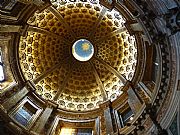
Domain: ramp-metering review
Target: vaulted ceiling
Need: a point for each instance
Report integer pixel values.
(45, 54)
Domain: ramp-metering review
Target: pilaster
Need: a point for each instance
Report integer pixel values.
(109, 117)
(134, 101)
(97, 126)
(40, 124)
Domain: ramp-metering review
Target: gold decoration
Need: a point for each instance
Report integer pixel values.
(85, 46)
(46, 51)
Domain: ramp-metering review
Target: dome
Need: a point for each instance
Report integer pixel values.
(51, 54)
(94, 67)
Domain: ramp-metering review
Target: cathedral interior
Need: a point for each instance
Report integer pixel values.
(89, 67)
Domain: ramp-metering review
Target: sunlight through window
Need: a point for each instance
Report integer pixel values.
(67, 131)
(1, 67)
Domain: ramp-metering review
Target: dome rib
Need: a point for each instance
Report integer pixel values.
(49, 71)
(109, 35)
(99, 82)
(43, 31)
(62, 87)
(101, 15)
(112, 70)
(61, 19)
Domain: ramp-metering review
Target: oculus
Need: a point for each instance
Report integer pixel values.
(82, 50)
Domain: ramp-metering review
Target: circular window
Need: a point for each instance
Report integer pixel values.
(82, 50)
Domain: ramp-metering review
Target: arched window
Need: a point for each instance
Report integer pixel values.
(1, 67)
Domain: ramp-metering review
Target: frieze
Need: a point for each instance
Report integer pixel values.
(171, 86)
(79, 115)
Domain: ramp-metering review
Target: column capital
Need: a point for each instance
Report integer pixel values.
(30, 85)
(24, 29)
(51, 104)
(106, 104)
(133, 27)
